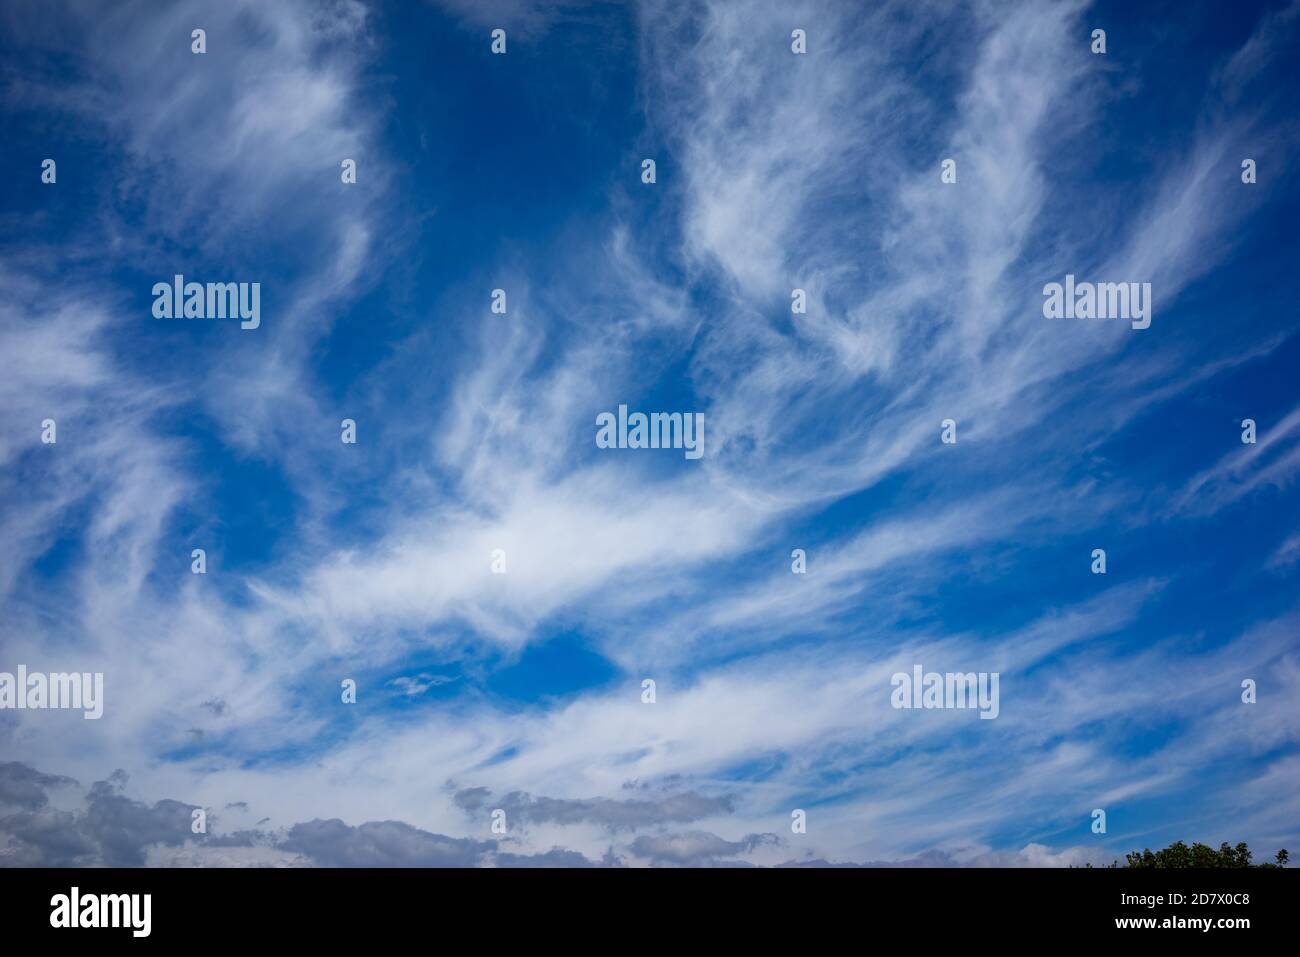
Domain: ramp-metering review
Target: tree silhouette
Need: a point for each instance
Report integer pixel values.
(1178, 854)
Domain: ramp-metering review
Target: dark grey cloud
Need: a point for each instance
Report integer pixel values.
(22, 786)
(110, 830)
(555, 857)
(930, 858)
(241, 838)
(629, 815)
(118, 831)
(382, 844)
(1031, 856)
(698, 848)
(123, 828)
(49, 838)
(471, 799)
(611, 858)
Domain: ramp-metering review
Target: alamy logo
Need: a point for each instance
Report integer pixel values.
(76, 690)
(103, 910)
(658, 430)
(214, 300)
(950, 690)
(1100, 300)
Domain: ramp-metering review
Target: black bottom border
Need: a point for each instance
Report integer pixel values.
(332, 906)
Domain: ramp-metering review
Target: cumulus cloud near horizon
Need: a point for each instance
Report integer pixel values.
(111, 829)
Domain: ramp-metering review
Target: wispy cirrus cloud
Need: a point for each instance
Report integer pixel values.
(373, 562)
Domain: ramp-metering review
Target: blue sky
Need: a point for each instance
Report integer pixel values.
(476, 431)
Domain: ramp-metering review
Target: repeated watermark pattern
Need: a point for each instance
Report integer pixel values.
(59, 690)
(655, 430)
(214, 300)
(370, 551)
(931, 689)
